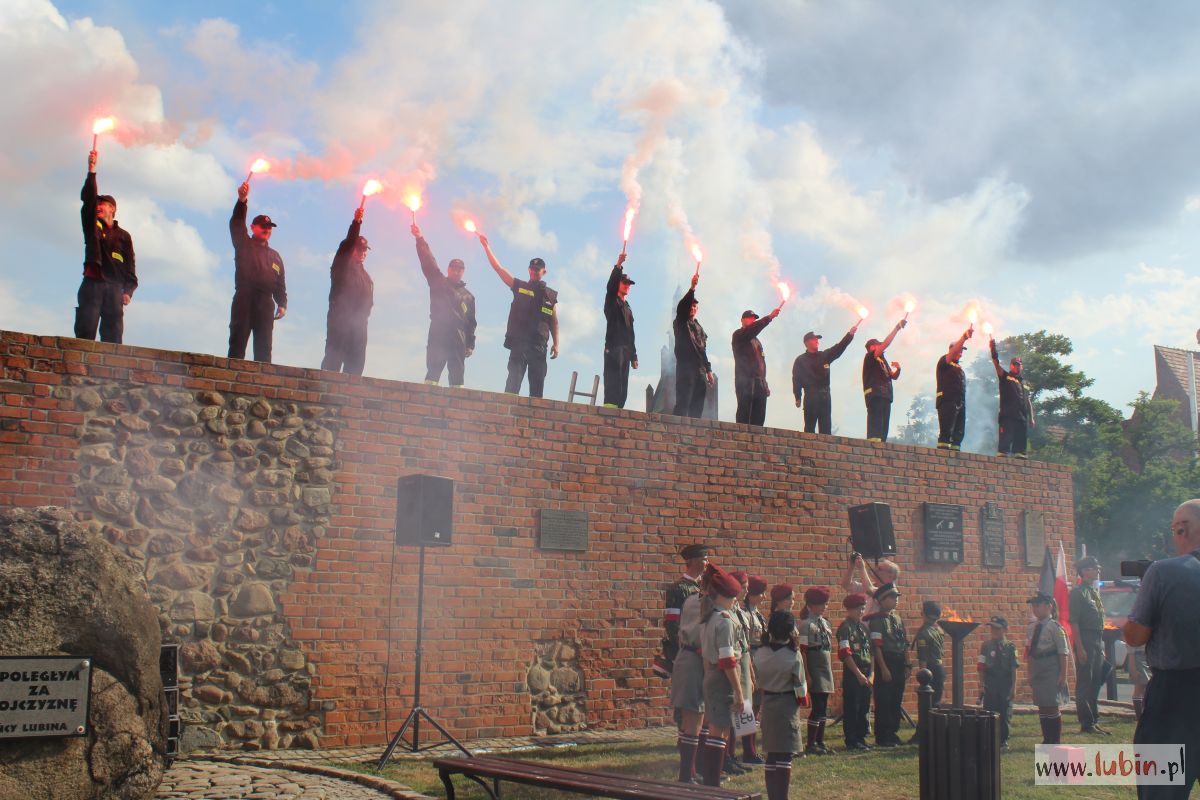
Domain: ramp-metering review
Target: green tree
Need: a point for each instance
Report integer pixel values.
(921, 425)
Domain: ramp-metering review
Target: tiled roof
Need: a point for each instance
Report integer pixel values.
(1171, 371)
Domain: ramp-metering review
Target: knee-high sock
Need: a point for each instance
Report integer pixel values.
(769, 778)
(702, 751)
(810, 734)
(749, 748)
(821, 733)
(687, 757)
(714, 760)
(780, 776)
(1051, 722)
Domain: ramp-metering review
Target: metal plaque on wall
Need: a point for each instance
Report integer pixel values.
(44, 696)
(943, 533)
(562, 530)
(1033, 531)
(991, 535)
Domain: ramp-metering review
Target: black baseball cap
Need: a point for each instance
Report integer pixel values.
(627, 279)
(106, 198)
(749, 313)
(537, 263)
(999, 622)
(263, 221)
(811, 335)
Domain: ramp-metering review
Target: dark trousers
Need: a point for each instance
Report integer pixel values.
(100, 304)
(522, 356)
(818, 411)
(889, 697)
(345, 343)
(1088, 678)
(446, 352)
(252, 312)
(952, 423)
(1014, 436)
(879, 416)
(690, 388)
(856, 704)
(937, 683)
(1171, 708)
(616, 376)
(997, 699)
(752, 404)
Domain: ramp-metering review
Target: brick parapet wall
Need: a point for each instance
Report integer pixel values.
(772, 501)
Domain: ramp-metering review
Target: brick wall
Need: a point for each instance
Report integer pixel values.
(771, 501)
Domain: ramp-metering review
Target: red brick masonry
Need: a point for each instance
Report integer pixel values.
(772, 501)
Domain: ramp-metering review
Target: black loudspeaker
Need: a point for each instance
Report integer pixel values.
(424, 510)
(871, 530)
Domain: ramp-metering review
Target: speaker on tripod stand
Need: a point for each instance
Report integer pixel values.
(424, 516)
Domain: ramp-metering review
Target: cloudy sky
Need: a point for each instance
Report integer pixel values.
(1037, 160)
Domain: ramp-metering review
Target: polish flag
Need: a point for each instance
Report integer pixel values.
(1061, 591)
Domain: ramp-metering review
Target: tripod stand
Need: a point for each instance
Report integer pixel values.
(413, 720)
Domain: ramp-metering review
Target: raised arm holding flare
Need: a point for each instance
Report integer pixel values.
(810, 379)
(109, 271)
(750, 368)
(1016, 407)
(620, 348)
(693, 371)
(877, 376)
(260, 288)
(951, 396)
(532, 319)
(451, 316)
(351, 296)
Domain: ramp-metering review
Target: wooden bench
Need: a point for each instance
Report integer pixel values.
(569, 779)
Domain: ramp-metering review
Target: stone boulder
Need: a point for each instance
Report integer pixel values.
(65, 591)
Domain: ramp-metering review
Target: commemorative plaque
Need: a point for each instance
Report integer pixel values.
(562, 530)
(943, 533)
(1034, 531)
(991, 535)
(44, 696)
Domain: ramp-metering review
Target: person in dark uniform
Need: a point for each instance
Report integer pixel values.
(810, 380)
(889, 641)
(750, 368)
(816, 643)
(109, 271)
(1016, 407)
(1087, 628)
(951, 397)
(620, 351)
(260, 287)
(877, 377)
(854, 651)
(451, 316)
(780, 670)
(1046, 654)
(682, 622)
(930, 644)
(351, 295)
(532, 320)
(693, 372)
(998, 672)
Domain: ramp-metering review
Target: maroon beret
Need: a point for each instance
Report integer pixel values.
(757, 585)
(816, 595)
(781, 592)
(741, 576)
(856, 600)
(723, 583)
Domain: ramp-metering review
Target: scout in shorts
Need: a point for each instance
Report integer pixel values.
(721, 646)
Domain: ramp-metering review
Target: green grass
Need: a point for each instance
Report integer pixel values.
(878, 775)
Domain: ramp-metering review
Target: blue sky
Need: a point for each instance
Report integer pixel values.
(1037, 161)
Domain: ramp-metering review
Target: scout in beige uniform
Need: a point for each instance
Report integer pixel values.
(721, 647)
(1046, 654)
(758, 630)
(780, 671)
(816, 642)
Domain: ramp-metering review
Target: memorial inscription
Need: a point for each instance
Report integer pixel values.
(943, 533)
(562, 530)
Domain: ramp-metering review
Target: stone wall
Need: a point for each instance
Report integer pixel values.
(221, 499)
(316, 540)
